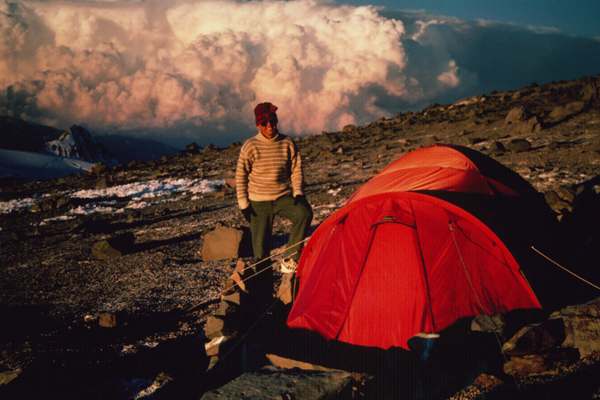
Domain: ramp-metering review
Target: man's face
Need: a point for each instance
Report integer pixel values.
(269, 130)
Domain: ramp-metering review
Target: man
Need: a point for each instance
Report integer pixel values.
(269, 183)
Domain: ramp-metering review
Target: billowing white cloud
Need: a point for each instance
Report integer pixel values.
(148, 65)
(195, 69)
(450, 77)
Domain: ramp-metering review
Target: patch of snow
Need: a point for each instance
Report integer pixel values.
(137, 205)
(153, 188)
(334, 192)
(139, 194)
(91, 209)
(325, 206)
(59, 218)
(7, 207)
(207, 186)
(128, 349)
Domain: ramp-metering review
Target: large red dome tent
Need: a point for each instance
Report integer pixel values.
(405, 255)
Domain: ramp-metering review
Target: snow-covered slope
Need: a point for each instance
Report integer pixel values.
(29, 165)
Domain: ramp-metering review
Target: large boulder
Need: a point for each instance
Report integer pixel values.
(221, 243)
(271, 383)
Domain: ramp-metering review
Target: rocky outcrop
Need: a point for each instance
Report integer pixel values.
(272, 383)
(567, 336)
(581, 327)
(78, 143)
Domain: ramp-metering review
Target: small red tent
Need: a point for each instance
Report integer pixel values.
(396, 261)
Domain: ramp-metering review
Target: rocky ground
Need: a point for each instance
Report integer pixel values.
(80, 321)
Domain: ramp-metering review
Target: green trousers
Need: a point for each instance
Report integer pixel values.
(261, 224)
(298, 212)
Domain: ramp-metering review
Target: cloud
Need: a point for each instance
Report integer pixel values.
(193, 70)
(202, 64)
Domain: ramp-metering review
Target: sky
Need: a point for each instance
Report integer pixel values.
(577, 17)
(192, 70)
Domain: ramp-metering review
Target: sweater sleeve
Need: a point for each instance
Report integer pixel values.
(296, 176)
(242, 171)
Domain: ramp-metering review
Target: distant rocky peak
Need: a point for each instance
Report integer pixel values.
(77, 143)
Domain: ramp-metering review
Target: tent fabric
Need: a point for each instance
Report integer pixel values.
(445, 168)
(393, 263)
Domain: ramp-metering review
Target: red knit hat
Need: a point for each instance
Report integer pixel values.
(265, 112)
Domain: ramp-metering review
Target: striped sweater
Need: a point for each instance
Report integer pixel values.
(266, 169)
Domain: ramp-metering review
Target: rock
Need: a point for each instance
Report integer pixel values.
(233, 298)
(349, 128)
(226, 309)
(236, 280)
(289, 363)
(526, 365)
(113, 247)
(516, 115)
(107, 320)
(216, 346)
(102, 250)
(556, 203)
(271, 383)
(488, 323)
(285, 290)
(497, 148)
(214, 327)
(521, 366)
(532, 125)
(221, 243)
(521, 121)
(487, 382)
(519, 145)
(536, 338)
(561, 113)
(566, 194)
(582, 326)
(7, 377)
(89, 318)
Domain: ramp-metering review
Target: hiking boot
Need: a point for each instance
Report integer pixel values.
(288, 266)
